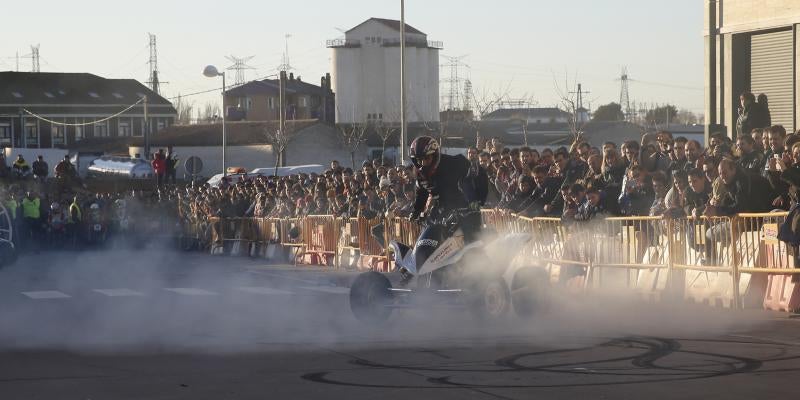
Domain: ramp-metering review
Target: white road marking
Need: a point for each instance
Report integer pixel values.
(328, 289)
(46, 294)
(191, 291)
(263, 290)
(118, 292)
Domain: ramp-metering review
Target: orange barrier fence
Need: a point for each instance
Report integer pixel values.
(727, 261)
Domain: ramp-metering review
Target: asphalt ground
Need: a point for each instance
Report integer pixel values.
(169, 325)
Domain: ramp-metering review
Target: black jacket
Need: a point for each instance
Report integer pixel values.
(455, 184)
(747, 193)
(752, 163)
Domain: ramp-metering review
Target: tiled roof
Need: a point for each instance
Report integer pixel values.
(57, 88)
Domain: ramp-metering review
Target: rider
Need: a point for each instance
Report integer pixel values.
(446, 183)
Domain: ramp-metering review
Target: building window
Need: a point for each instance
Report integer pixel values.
(140, 131)
(302, 101)
(124, 128)
(380, 116)
(80, 131)
(160, 124)
(31, 134)
(271, 102)
(101, 129)
(58, 135)
(5, 134)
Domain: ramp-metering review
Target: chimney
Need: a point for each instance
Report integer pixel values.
(299, 79)
(291, 76)
(328, 81)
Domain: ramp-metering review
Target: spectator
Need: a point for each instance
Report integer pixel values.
(591, 207)
(698, 195)
(750, 160)
(764, 113)
(637, 192)
(744, 193)
(21, 167)
(171, 167)
(31, 214)
(751, 115)
(775, 142)
(159, 168)
(40, 169)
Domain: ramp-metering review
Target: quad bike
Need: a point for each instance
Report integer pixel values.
(441, 270)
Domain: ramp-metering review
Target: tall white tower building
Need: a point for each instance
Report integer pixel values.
(366, 74)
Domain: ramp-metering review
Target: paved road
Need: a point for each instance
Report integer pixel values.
(163, 325)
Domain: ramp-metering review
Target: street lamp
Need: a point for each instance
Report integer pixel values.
(212, 72)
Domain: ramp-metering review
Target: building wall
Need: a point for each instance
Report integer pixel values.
(366, 79)
(318, 144)
(729, 26)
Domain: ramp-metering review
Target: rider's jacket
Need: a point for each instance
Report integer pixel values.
(457, 183)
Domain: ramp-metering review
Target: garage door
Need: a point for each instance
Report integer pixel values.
(772, 73)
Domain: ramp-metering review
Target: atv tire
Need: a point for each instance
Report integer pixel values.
(370, 297)
(490, 299)
(530, 291)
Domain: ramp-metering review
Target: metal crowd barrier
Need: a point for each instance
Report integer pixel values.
(729, 261)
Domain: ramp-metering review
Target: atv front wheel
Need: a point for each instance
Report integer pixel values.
(490, 299)
(370, 298)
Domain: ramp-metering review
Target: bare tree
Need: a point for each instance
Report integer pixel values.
(353, 136)
(184, 110)
(485, 102)
(280, 143)
(385, 131)
(569, 103)
(209, 113)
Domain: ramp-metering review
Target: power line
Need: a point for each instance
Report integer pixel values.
(85, 123)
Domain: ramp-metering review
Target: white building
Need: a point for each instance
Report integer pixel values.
(366, 74)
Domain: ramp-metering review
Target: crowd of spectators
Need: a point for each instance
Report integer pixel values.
(671, 177)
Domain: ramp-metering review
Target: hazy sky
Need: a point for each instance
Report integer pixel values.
(521, 44)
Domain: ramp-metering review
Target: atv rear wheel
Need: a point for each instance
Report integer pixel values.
(370, 297)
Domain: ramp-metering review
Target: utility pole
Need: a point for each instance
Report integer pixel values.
(624, 95)
(35, 59)
(403, 125)
(154, 83)
(146, 129)
(282, 119)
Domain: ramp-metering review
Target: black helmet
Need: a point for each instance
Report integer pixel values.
(421, 148)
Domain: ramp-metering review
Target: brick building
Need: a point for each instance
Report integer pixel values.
(259, 100)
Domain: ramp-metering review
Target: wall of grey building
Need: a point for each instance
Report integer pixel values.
(729, 28)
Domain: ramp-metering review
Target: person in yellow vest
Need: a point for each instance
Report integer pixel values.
(31, 214)
(74, 219)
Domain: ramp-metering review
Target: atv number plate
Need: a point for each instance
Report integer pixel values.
(98, 227)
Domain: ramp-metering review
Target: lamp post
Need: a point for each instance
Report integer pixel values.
(403, 122)
(212, 72)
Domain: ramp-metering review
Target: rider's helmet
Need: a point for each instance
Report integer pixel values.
(120, 203)
(55, 206)
(94, 206)
(425, 155)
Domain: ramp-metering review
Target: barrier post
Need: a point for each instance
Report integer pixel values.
(735, 260)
